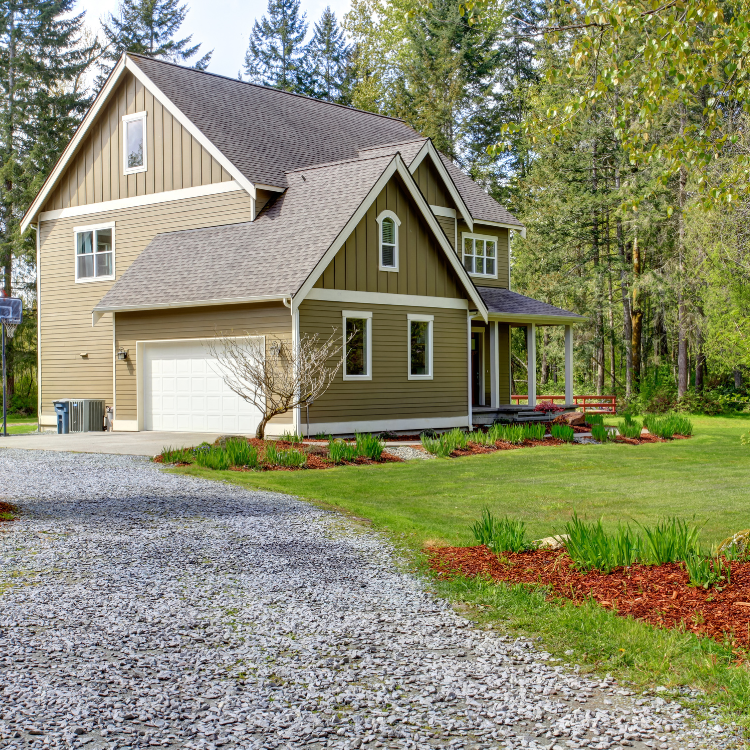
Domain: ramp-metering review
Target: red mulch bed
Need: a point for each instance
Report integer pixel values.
(7, 508)
(658, 594)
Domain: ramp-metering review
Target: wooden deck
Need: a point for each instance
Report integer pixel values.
(487, 415)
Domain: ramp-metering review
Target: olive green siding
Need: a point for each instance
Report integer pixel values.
(504, 368)
(272, 320)
(432, 185)
(390, 394)
(65, 320)
(503, 253)
(449, 227)
(174, 159)
(423, 268)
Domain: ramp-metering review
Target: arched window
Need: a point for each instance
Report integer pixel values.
(388, 224)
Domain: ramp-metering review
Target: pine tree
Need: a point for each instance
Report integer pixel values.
(148, 27)
(275, 55)
(329, 60)
(43, 57)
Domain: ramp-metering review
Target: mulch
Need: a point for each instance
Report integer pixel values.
(7, 509)
(658, 594)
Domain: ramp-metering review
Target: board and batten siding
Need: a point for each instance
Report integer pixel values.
(423, 267)
(65, 323)
(174, 159)
(432, 186)
(503, 253)
(390, 395)
(269, 319)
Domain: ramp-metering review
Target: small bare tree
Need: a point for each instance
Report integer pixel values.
(272, 376)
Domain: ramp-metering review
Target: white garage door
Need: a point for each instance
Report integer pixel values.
(183, 391)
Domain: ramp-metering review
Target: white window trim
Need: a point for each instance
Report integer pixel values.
(475, 236)
(93, 228)
(367, 316)
(418, 318)
(397, 222)
(132, 118)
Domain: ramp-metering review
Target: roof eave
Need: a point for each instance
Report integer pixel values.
(539, 319)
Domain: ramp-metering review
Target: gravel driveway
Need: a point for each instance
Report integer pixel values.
(139, 608)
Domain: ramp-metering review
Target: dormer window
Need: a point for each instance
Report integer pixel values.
(388, 224)
(134, 143)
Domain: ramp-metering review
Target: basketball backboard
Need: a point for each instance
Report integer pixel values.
(11, 309)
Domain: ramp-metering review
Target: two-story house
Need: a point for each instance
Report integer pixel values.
(189, 204)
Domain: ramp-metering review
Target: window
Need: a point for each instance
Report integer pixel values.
(420, 347)
(134, 143)
(480, 255)
(358, 337)
(388, 224)
(95, 252)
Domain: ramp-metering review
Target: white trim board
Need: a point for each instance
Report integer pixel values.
(545, 320)
(449, 213)
(384, 298)
(142, 200)
(515, 227)
(381, 425)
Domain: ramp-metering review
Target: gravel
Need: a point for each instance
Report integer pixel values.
(408, 453)
(141, 608)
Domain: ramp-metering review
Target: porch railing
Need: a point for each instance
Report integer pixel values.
(600, 404)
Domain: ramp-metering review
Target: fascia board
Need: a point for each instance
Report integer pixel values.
(70, 149)
(515, 227)
(180, 116)
(429, 148)
(538, 319)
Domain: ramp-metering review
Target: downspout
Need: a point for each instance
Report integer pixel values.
(289, 302)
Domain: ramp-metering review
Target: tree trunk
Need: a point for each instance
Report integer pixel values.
(682, 357)
(700, 360)
(260, 432)
(636, 318)
(737, 378)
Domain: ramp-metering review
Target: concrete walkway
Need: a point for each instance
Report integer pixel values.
(122, 443)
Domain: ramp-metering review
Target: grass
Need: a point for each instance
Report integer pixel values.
(19, 428)
(436, 502)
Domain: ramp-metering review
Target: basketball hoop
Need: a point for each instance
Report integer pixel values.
(10, 328)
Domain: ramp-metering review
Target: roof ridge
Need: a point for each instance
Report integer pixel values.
(325, 165)
(266, 88)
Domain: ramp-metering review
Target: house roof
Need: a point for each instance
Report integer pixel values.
(515, 307)
(265, 258)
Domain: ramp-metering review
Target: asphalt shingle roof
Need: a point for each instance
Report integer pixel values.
(513, 303)
(271, 256)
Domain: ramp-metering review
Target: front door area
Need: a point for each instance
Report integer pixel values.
(184, 392)
(477, 363)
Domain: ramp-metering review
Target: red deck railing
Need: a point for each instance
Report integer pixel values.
(601, 404)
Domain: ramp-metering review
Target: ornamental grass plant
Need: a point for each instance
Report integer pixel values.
(666, 426)
(600, 433)
(629, 428)
(340, 451)
(241, 453)
(171, 455)
(291, 457)
(369, 446)
(501, 535)
(562, 432)
(212, 457)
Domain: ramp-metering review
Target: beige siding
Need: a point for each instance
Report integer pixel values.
(390, 394)
(272, 320)
(431, 184)
(503, 253)
(423, 267)
(66, 306)
(174, 159)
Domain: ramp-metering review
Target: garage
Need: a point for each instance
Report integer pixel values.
(184, 391)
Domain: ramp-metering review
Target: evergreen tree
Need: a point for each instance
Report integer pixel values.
(329, 61)
(275, 54)
(148, 27)
(43, 57)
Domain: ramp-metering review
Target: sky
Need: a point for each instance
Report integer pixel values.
(221, 25)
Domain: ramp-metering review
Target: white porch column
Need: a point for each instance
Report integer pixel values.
(568, 365)
(531, 361)
(494, 364)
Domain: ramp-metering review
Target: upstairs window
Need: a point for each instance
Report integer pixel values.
(358, 338)
(480, 255)
(388, 224)
(95, 253)
(134, 143)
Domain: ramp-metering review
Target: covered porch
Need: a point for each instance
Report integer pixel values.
(490, 385)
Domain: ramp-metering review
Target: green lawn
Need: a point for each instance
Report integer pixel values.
(436, 501)
(706, 477)
(16, 427)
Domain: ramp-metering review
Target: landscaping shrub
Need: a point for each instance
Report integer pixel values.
(594, 419)
(212, 457)
(171, 455)
(291, 437)
(601, 433)
(510, 433)
(706, 573)
(668, 425)
(241, 453)
(671, 540)
(501, 535)
(456, 438)
(340, 451)
(562, 432)
(591, 548)
(548, 406)
(480, 437)
(290, 457)
(629, 428)
(534, 431)
(370, 446)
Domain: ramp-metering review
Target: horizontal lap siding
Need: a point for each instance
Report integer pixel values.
(272, 320)
(390, 394)
(423, 267)
(66, 329)
(503, 253)
(174, 159)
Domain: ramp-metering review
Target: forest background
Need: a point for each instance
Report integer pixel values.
(615, 130)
